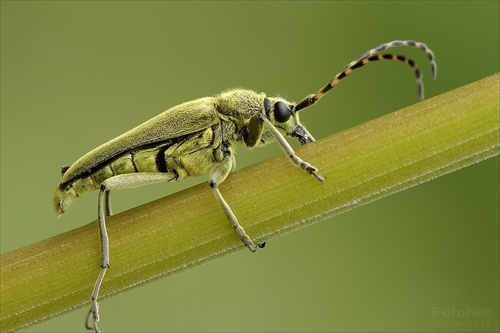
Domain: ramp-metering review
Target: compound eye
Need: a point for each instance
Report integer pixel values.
(281, 112)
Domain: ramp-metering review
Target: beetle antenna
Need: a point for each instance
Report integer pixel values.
(371, 56)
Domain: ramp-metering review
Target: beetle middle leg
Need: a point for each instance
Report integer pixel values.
(218, 175)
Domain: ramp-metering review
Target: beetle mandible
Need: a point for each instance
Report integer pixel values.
(195, 137)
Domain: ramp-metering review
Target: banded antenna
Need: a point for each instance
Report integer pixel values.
(371, 56)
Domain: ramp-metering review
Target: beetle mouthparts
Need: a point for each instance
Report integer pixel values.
(302, 134)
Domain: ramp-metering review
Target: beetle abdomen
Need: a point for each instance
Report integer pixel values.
(189, 155)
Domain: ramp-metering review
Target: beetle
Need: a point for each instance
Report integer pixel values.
(196, 137)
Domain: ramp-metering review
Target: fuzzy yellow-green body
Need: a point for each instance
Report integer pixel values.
(186, 140)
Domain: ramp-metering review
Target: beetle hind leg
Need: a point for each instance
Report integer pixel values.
(104, 209)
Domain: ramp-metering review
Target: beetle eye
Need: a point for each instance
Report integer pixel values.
(281, 112)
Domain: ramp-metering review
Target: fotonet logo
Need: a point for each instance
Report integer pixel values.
(461, 312)
(469, 317)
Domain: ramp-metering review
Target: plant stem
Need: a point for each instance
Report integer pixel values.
(362, 164)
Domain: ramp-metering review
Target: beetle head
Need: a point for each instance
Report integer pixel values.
(283, 116)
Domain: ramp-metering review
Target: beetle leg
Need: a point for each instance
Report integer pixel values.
(104, 209)
(104, 243)
(288, 150)
(218, 175)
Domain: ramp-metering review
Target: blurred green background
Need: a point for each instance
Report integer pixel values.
(76, 74)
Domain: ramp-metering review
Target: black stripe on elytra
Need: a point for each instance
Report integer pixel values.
(111, 159)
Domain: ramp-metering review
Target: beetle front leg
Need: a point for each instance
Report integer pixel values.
(288, 150)
(218, 175)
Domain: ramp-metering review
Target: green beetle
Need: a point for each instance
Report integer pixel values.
(194, 138)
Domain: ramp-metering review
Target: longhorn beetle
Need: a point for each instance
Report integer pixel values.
(197, 136)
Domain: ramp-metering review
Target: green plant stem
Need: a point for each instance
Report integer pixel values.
(362, 164)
